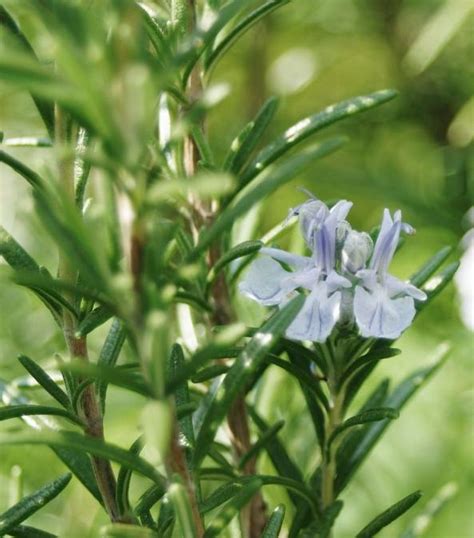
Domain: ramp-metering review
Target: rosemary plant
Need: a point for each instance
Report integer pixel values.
(140, 210)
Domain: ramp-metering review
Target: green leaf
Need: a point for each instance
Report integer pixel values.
(24, 171)
(261, 443)
(79, 464)
(436, 285)
(357, 380)
(371, 415)
(243, 249)
(45, 109)
(352, 440)
(247, 140)
(14, 254)
(310, 125)
(124, 478)
(278, 455)
(64, 222)
(26, 531)
(78, 391)
(182, 507)
(32, 503)
(109, 355)
(243, 26)
(119, 377)
(207, 158)
(154, 32)
(148, 499)
(83, 444)
(17, 411)
(193, 300)
(44, 380)
(94, 319)
(166, 518)
(220, 496)
(373, 356)
(216, 350)
(300, 488)
(182, 398)
(389, 515)
(329, 518)
(243, 368)
(274, 523)
(209, 373)
(123, 530)
(315, 398)
(269, 181)
(397, 399)
(300, 369)
(50, 289)
(322, 528)
(82, 167)
(430, 267)
(434, 506)
(202, 40)
(232, 508)
(186, 410)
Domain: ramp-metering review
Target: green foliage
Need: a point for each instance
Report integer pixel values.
(389, 515)
(31, 504)
(149, 220)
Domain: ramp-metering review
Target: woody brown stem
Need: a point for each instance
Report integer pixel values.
(177, 464)
(77, 347)
(253, 516)
(94, 427)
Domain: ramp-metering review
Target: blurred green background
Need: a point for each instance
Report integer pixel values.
(414, 153)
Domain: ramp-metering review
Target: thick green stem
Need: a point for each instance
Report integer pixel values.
(329, 462)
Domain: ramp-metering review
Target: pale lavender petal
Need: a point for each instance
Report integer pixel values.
(385, 228)
(317, 318)
(265, 282)
(341, 209)
(312, 214)
(386, 243)
(293, 260)
(325, 247)
(368, 278)
(395, 286)
(379, 316)
(306, 278)
(335, 281)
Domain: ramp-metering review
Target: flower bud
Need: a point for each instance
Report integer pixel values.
(311, 215)
(342, 231)
(356, 251)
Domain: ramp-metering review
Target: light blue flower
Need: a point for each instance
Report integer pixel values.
(268, 283)
(384, 306)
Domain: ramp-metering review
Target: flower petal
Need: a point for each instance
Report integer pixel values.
(396, 286)
(293, 260)
(341, 209)
(265, 282)
(387, 242)
(317, 318)
(334, 281)
(379, 316)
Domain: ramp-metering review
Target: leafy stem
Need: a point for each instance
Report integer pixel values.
(77, 347)
(335, 417)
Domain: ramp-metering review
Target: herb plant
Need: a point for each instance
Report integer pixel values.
(141, 211)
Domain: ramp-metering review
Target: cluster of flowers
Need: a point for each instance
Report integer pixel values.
(346, 278)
